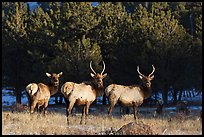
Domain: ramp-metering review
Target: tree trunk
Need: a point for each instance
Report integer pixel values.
(191, 22)
(29, 99)
(180, 95)
(18, 95)
(156, 93)
(60, 100)
(17, 80)
(165, 95)
(193, 93)
(146, 5)
(190, 95)
(155, 96)
(56, 99)
(104, 100)
(175, 92)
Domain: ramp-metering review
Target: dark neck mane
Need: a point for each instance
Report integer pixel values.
(53, 88)
(146, 91)
(99, 90)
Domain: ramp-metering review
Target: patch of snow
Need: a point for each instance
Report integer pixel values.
(198, 97)
(190, 107)
(24, 98)
(99, 100)
(195, 107)
(32, 5)
(8, 97)
(93, 109)
(52, 100)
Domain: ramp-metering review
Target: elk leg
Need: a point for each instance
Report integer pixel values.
(32, 108)
(113, 100)
(45, 107)
(83, 114)
(29, 100)
(87, 111)
(69, 110)
(39, 108)
(135, 107)
(67, 104)
(67, 114)
(111, 107)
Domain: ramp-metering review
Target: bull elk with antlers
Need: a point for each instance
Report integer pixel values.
(83, 94)
(39, 94)
(130, 95)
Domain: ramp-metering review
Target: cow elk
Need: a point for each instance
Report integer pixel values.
(39, 94)
(83, 94)
(159, 109)
(130, 95)
(182, 107)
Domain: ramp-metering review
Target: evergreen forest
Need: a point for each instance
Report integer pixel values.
(66, 36)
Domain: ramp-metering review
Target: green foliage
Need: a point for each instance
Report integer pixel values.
(66, 36)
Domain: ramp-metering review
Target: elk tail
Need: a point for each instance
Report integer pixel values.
(32, 88)
(67, 88)
(109, 89)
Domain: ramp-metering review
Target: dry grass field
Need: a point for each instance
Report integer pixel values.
(54, 123)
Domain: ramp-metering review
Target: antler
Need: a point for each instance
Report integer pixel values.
(139, 71)
(92, 68)
(104, 66)
(152, 70)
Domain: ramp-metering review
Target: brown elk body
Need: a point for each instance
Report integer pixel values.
(39, 94)
(130, 95)
(83, 94)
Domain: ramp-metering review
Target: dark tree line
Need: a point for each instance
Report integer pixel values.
(66, 36)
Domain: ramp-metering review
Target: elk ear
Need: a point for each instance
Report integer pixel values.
(141, 77)
(60, 74)
(104, 75)
(48, 74)
(92, 74)
(152, 77)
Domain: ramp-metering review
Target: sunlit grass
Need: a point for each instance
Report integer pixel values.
(21, 123)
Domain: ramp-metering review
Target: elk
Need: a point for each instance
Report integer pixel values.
(83, 94)
(159, 109)
(182, 107)
(130, 96)
(39, 94)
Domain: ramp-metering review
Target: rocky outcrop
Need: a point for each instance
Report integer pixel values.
(134, 128)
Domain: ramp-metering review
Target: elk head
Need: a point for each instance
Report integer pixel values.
(98, 77)
(146, 80)
(54, 78)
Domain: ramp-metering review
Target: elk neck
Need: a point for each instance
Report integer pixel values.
(53, 88)
(145, 90)
(99, 90)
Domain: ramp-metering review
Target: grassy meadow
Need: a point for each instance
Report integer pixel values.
(54, 123)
